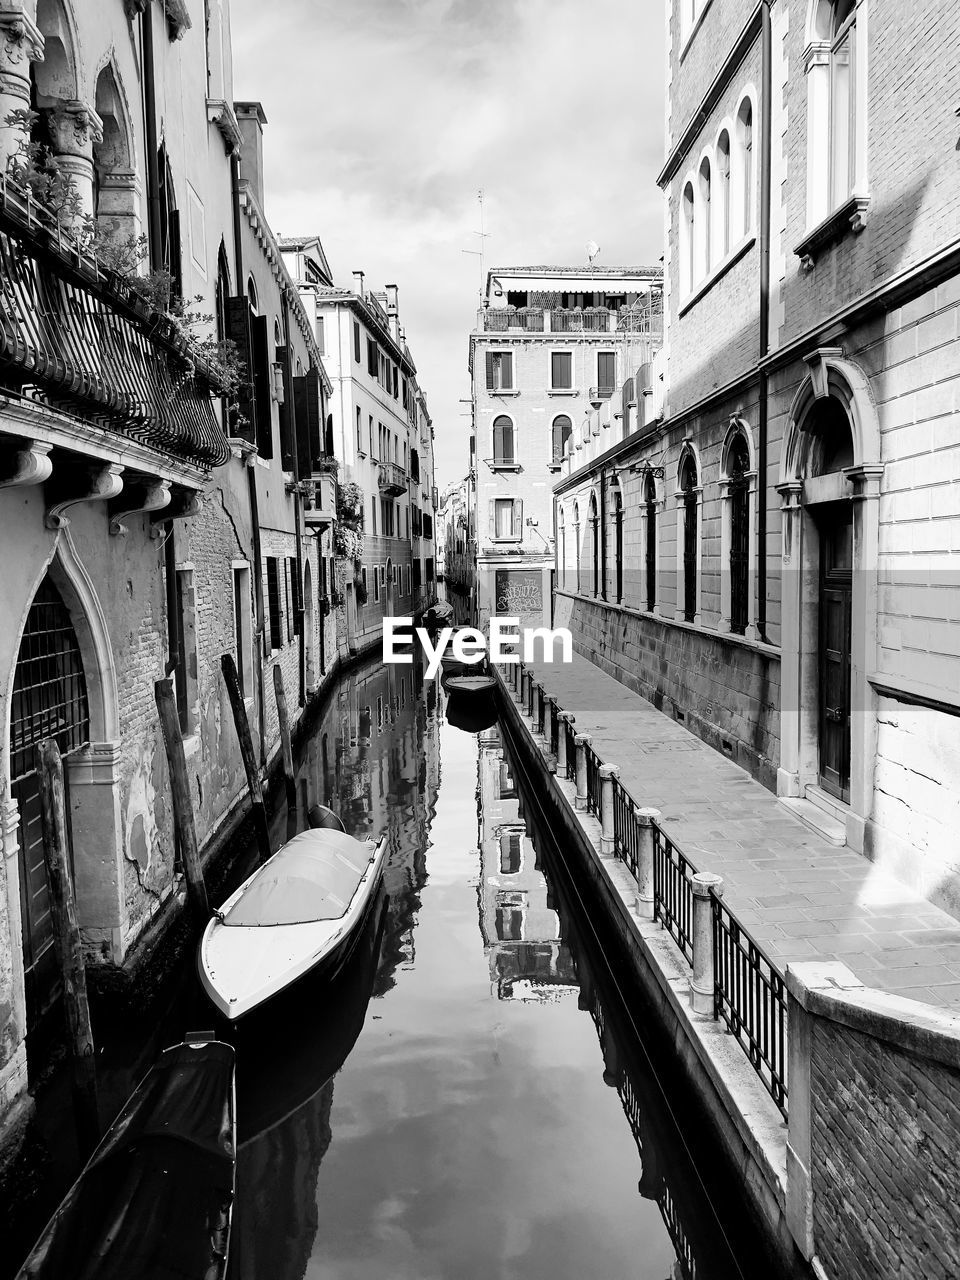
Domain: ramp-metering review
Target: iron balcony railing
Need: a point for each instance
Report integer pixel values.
(749, 996)
(593, 781)
(74, 336)
(571, 734)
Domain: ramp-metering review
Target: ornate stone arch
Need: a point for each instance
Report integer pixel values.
(830, 375)
(58, 76)
(117, 184)
(737, 427)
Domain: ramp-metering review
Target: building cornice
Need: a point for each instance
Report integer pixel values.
(744, 42)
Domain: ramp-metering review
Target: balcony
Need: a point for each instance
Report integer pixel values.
(320, 499)
(391, 479)
(74, 337)
(646, 321)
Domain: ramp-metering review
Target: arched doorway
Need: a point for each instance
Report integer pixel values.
(830, 486)
(49, 700)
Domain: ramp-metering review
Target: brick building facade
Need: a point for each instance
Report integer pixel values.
(790, 513)
(153, 515)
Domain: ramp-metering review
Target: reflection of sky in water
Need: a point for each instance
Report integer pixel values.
(466, 1135)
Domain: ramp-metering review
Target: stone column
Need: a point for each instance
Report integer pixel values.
(607, 836)
(564, 718)
(75, 127)
(582, 741)
(788, 773)
(702, 981)
(10, 836)
(94, 775)
(548, 714)
(863, 654)
(20, 44)
(647, 820)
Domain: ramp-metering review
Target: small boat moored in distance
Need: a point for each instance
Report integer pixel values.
(297, 913)
(469, 685)
(155, 1200)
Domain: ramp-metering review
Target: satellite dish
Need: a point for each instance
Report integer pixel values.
(592, 250)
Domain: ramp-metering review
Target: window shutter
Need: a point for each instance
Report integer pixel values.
(176, 256)
(286, 414)
(238, 331)
(506, 371)
(356, 341)
(493, 517)
(490, 372)
(306, 400)
(518, 517)
(261, 386)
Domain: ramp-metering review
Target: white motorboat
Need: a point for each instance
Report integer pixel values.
(299, 913)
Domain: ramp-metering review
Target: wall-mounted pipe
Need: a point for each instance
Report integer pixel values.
(766, 136)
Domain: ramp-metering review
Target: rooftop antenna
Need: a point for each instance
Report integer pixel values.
(478, 253)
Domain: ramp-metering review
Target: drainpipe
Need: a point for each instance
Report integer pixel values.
(150, 134)
(297, 498)
(766, 134)
(156, 262)
(251, 468)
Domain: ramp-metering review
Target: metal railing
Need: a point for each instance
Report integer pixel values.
(750, 998)
(503, 319)
(571, 733)
(593, 781)
(749, 991)
(626, 833)
(554, 732)
(672, 891)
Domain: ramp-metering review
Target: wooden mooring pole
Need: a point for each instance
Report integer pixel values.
(285, 743)
(56, 853)
(182, 803)
(232, 681)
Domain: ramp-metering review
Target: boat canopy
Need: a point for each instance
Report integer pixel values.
(313, 877)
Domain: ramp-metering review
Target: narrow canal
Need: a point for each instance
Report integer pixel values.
(479, 1093)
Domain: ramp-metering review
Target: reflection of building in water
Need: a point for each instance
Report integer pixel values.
(521, 931)
(375, 760)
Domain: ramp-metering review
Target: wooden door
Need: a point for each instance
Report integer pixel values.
(836, 588)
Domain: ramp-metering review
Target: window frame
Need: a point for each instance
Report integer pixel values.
(516, 519)
(504, 463)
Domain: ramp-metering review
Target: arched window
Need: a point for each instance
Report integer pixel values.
(252, 297)
(704, 221)
(169, 219)
(594, 543)
(277, 334)
(689, 501)
(687, 240)
(650, 539)
(503, 442)
(223, 291)
(616, 502)
(745, 146)
(562, 430)
(843, 99)
(576, 539)
(723, 194)
(738, 467)
(115, 204)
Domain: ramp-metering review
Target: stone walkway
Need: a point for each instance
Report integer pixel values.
(801, 898)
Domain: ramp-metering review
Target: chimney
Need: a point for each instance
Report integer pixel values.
(393, 310)
(358, 276)
(251, 119)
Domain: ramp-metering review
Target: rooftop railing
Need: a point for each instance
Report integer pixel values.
(645, 322)
(74, 336)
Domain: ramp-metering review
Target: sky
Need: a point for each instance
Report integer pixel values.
(387, 117)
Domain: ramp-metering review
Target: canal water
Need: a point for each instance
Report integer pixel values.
(480, 1093)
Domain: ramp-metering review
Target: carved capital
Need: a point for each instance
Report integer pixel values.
(137, 498)
(95, 483)
(20, 41)
(74, 128)
(27, 463)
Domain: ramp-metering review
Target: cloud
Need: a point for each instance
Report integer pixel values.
(386, 117)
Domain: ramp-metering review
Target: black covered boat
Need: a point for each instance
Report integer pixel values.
(155, 1200)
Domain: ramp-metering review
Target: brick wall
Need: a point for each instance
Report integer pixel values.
(885, 1180)
(693, 62)
(913, 178)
